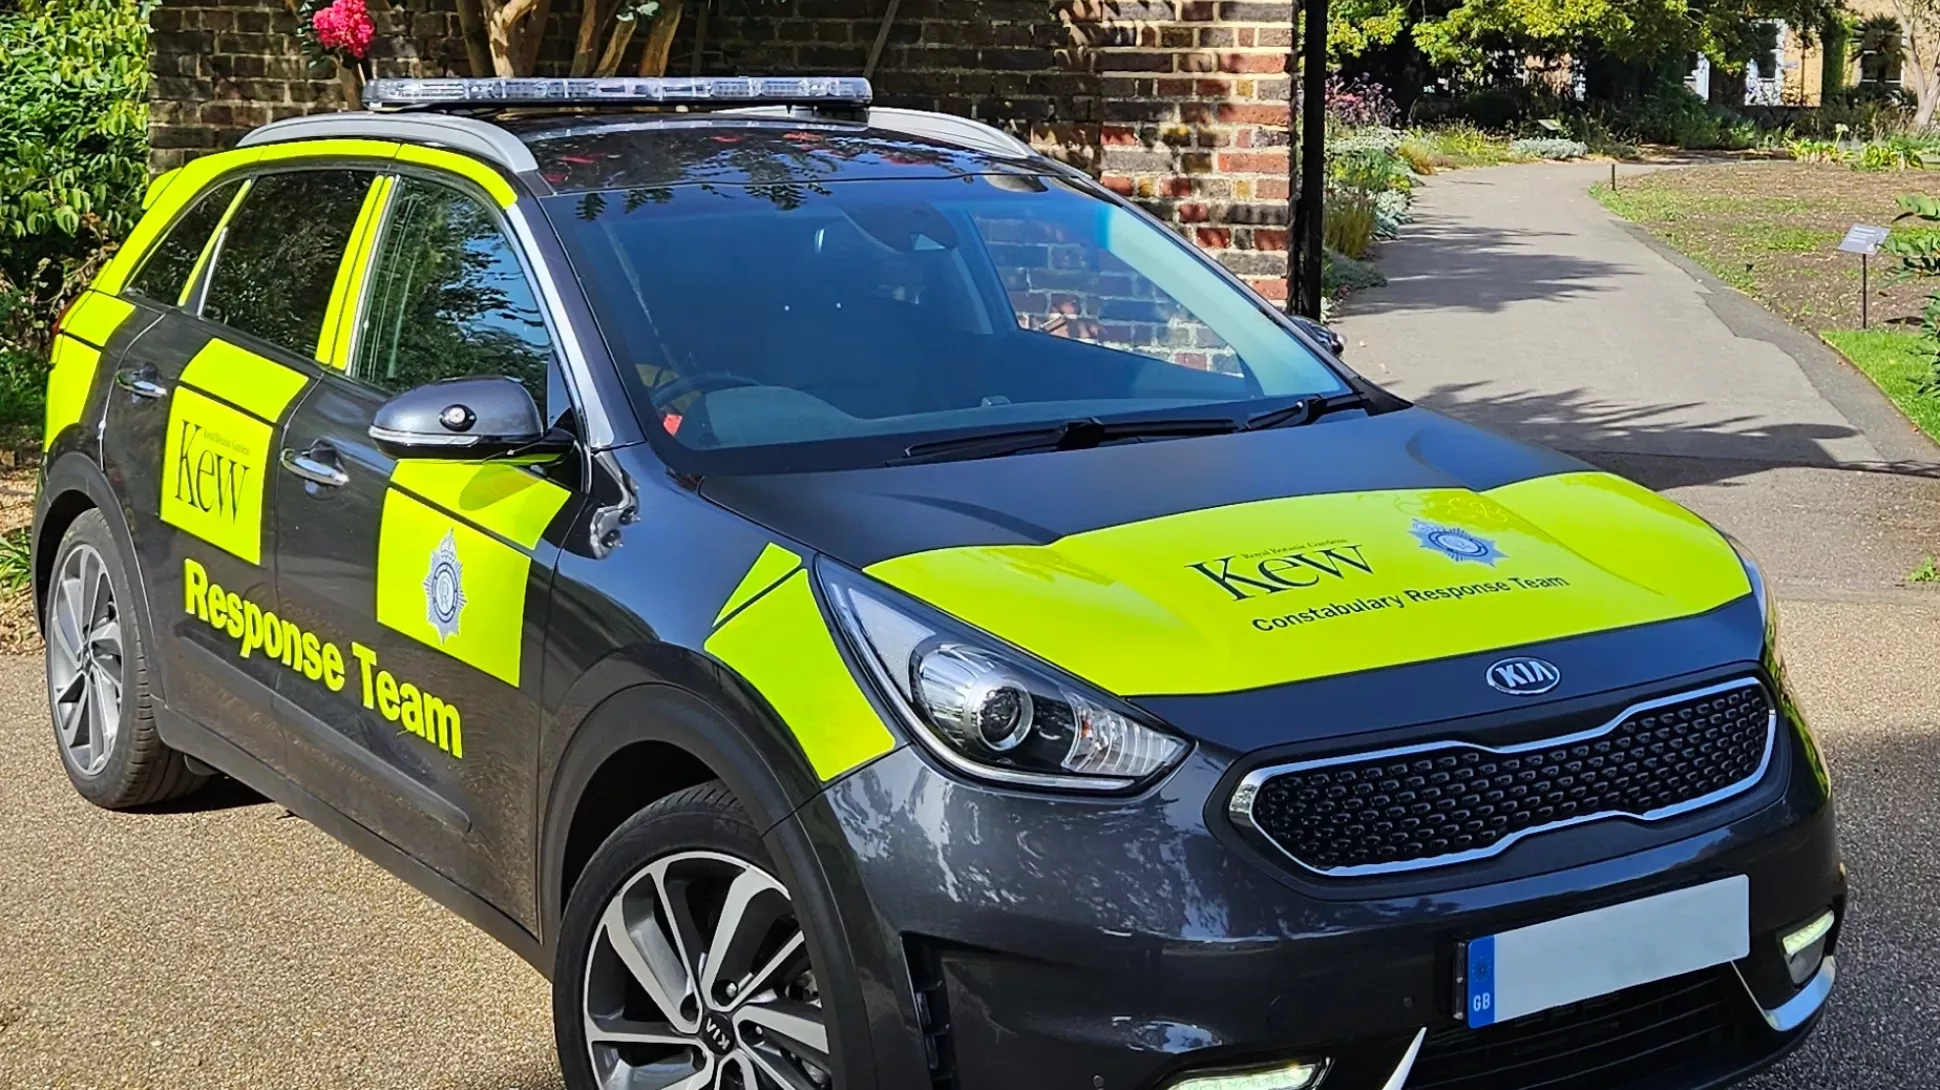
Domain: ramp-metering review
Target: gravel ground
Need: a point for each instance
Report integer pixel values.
(223, 943)
(235, 946)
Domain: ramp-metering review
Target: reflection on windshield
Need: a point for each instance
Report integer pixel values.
(881, 313)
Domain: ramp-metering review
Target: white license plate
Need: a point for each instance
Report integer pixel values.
(1546, 965)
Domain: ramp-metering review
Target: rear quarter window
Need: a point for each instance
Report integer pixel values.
(277, 260)
(166, 271)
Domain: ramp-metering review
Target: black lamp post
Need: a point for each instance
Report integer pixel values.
(1306, 179)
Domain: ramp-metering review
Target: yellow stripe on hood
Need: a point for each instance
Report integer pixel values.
(1257, 594)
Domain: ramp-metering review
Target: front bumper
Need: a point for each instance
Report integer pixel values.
(1009, 940)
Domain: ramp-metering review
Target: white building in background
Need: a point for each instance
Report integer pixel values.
(1762, 88)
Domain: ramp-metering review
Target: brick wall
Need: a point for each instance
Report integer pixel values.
(1181, 105)
(222, 67)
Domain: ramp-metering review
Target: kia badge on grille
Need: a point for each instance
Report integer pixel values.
(1523, 676)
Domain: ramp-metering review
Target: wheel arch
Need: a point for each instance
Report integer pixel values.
(72, 485)
(686, 717)
(651, 735)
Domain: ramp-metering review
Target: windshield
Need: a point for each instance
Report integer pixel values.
(830, 325)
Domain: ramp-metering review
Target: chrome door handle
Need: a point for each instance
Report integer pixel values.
(313, 469)
(140, 381)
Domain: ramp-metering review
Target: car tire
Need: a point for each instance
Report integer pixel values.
(691, 865)
(97, 677)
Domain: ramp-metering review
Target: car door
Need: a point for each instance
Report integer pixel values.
(191, 424)
(433, 576)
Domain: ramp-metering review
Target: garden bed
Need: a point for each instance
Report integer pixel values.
(1770, 229)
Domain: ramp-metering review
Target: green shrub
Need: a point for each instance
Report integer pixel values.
(1458, 145)
(1893, 153)
(1347, 223)
(1548, 147)
(1391, 212)
(1867, 113)
(16, 560)
(1916, 246)
(1814, 151)
(1340, 274)
(1672, 114)
(73, 158)
(1918, 249)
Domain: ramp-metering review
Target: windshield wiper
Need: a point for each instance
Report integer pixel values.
(1304, 411)
(1070, 435)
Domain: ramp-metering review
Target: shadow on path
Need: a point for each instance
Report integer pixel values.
(1447, 265)
(1661, 445)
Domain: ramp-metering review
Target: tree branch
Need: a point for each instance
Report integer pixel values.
(660, 39)
(616, 47)
(585, 46)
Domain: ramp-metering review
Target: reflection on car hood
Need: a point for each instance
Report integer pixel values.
(1233, 563)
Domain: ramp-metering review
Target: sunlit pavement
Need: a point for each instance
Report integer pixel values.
(1519, 303)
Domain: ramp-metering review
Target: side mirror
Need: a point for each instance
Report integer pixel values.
(466, 419)
(1322, 334)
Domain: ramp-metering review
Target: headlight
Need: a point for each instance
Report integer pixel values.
(987, 709)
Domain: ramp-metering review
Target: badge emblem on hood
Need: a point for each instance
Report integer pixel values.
(444, 588)
(1523, 676)
(1455, 543)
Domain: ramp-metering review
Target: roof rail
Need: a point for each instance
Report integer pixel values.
(466, 134)
(500, 92)
(944, 128)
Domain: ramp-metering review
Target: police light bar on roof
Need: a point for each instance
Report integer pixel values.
(399, 94)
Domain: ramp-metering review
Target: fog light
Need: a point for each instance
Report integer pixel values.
(1805, 947)
(1293, 1076)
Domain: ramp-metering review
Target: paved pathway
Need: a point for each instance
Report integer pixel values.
(1517, 302)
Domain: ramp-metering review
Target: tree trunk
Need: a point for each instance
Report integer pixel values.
(351, 78)
(507, 26)
(616, 47)
(660, 39)
(471, 27)
(586, 46)
(1919, 63)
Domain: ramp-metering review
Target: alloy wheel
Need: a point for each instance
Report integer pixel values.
(84, 659)
(699, 979)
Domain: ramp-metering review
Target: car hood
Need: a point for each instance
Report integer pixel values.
(1234, 563)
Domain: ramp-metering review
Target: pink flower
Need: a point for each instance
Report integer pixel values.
(344, 26)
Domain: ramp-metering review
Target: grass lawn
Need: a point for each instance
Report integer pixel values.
(1898, 361)
(1770, 229)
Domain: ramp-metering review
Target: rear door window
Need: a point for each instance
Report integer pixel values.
(278, 258)
(167, 271)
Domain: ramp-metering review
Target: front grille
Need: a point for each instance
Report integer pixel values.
(1642, 1036)
(1446, 802)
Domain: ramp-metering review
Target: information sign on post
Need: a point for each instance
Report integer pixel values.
(1865, 240)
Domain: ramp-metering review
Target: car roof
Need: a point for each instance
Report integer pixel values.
(581, 150)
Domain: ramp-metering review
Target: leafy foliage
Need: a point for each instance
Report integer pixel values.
(1548, 147)
(1340, 274)
(73, 154)
(1455, 145)
(1471, 35)
(1814, 151)
(1347, 223)
(1391, 213)
(1894, 153)
(1359, 103)
(1919, 254)
(16, 560)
